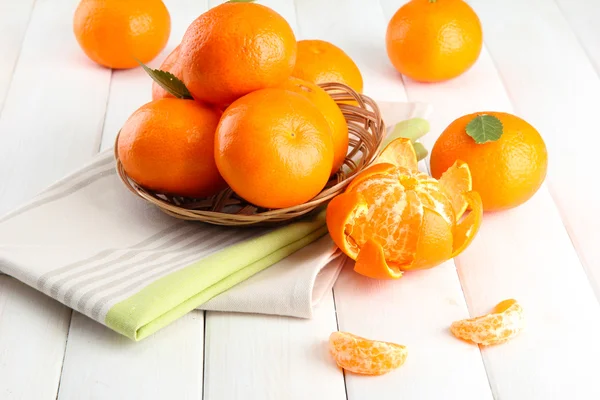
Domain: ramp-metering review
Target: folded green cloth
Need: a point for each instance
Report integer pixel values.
(157, 304)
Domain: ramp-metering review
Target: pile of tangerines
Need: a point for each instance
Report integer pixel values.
(238, 104)
(255, 118)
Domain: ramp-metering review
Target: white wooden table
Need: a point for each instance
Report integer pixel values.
(541, 61)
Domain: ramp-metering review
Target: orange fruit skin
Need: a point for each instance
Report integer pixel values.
(115, 32)
(170, 64)
(274, 148)
(319, 62)
(167, 146)
(434, 41)
(234, 49)
(506, 172)
(330, 110)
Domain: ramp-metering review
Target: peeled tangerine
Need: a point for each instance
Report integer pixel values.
(364, 356)
(393, 218)
(502, 324)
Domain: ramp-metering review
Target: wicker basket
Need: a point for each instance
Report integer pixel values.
(366, 130)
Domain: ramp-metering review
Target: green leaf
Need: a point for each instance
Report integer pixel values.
(484, 128)
(168, 81)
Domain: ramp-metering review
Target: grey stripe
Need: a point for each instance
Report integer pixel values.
(60, 195)
(164, 249)
(64, 182)
(42, 281)
(100, 303)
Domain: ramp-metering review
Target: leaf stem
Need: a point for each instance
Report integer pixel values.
(420, 150)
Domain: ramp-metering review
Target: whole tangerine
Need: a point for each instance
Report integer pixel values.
(434, 40)
(319, 62)
(506, 172)
(330, 110)
(234, 49)
(167, 146)
(113, 33)
(274, 148)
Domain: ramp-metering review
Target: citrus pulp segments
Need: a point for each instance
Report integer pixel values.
(456, 181)
(401, 153)
(364, 356)
(467, 228)
(393, 219)
(375, 170)
(504, 323)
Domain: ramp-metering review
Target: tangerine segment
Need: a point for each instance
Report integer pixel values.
(504, 323)
(364, 356)
(434, 244)
(401, 153)
(467, 228)
(456, 181)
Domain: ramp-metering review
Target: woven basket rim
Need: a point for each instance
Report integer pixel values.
(366, 130)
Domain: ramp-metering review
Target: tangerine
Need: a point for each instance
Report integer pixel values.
(434, 40)
(330, 110)
(234, 49)
(320, 62)
(505, 172)
(167, 146)
(393, 218)
(113, 33)
(274, 148)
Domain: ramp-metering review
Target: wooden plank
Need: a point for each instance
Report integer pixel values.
(50, 125)
(54, 109)
(14, 19)
(524, 253)
(417, 309)
(270, 357)
(33, 331)
(582, 16)
(102, 364)
(130, 89)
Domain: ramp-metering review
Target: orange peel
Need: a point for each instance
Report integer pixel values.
(393, 218)
(504, 323)
(457, 181)
(465, 230)
(363, 356)
(399, 154)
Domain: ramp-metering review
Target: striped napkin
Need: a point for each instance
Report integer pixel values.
(89, 243)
